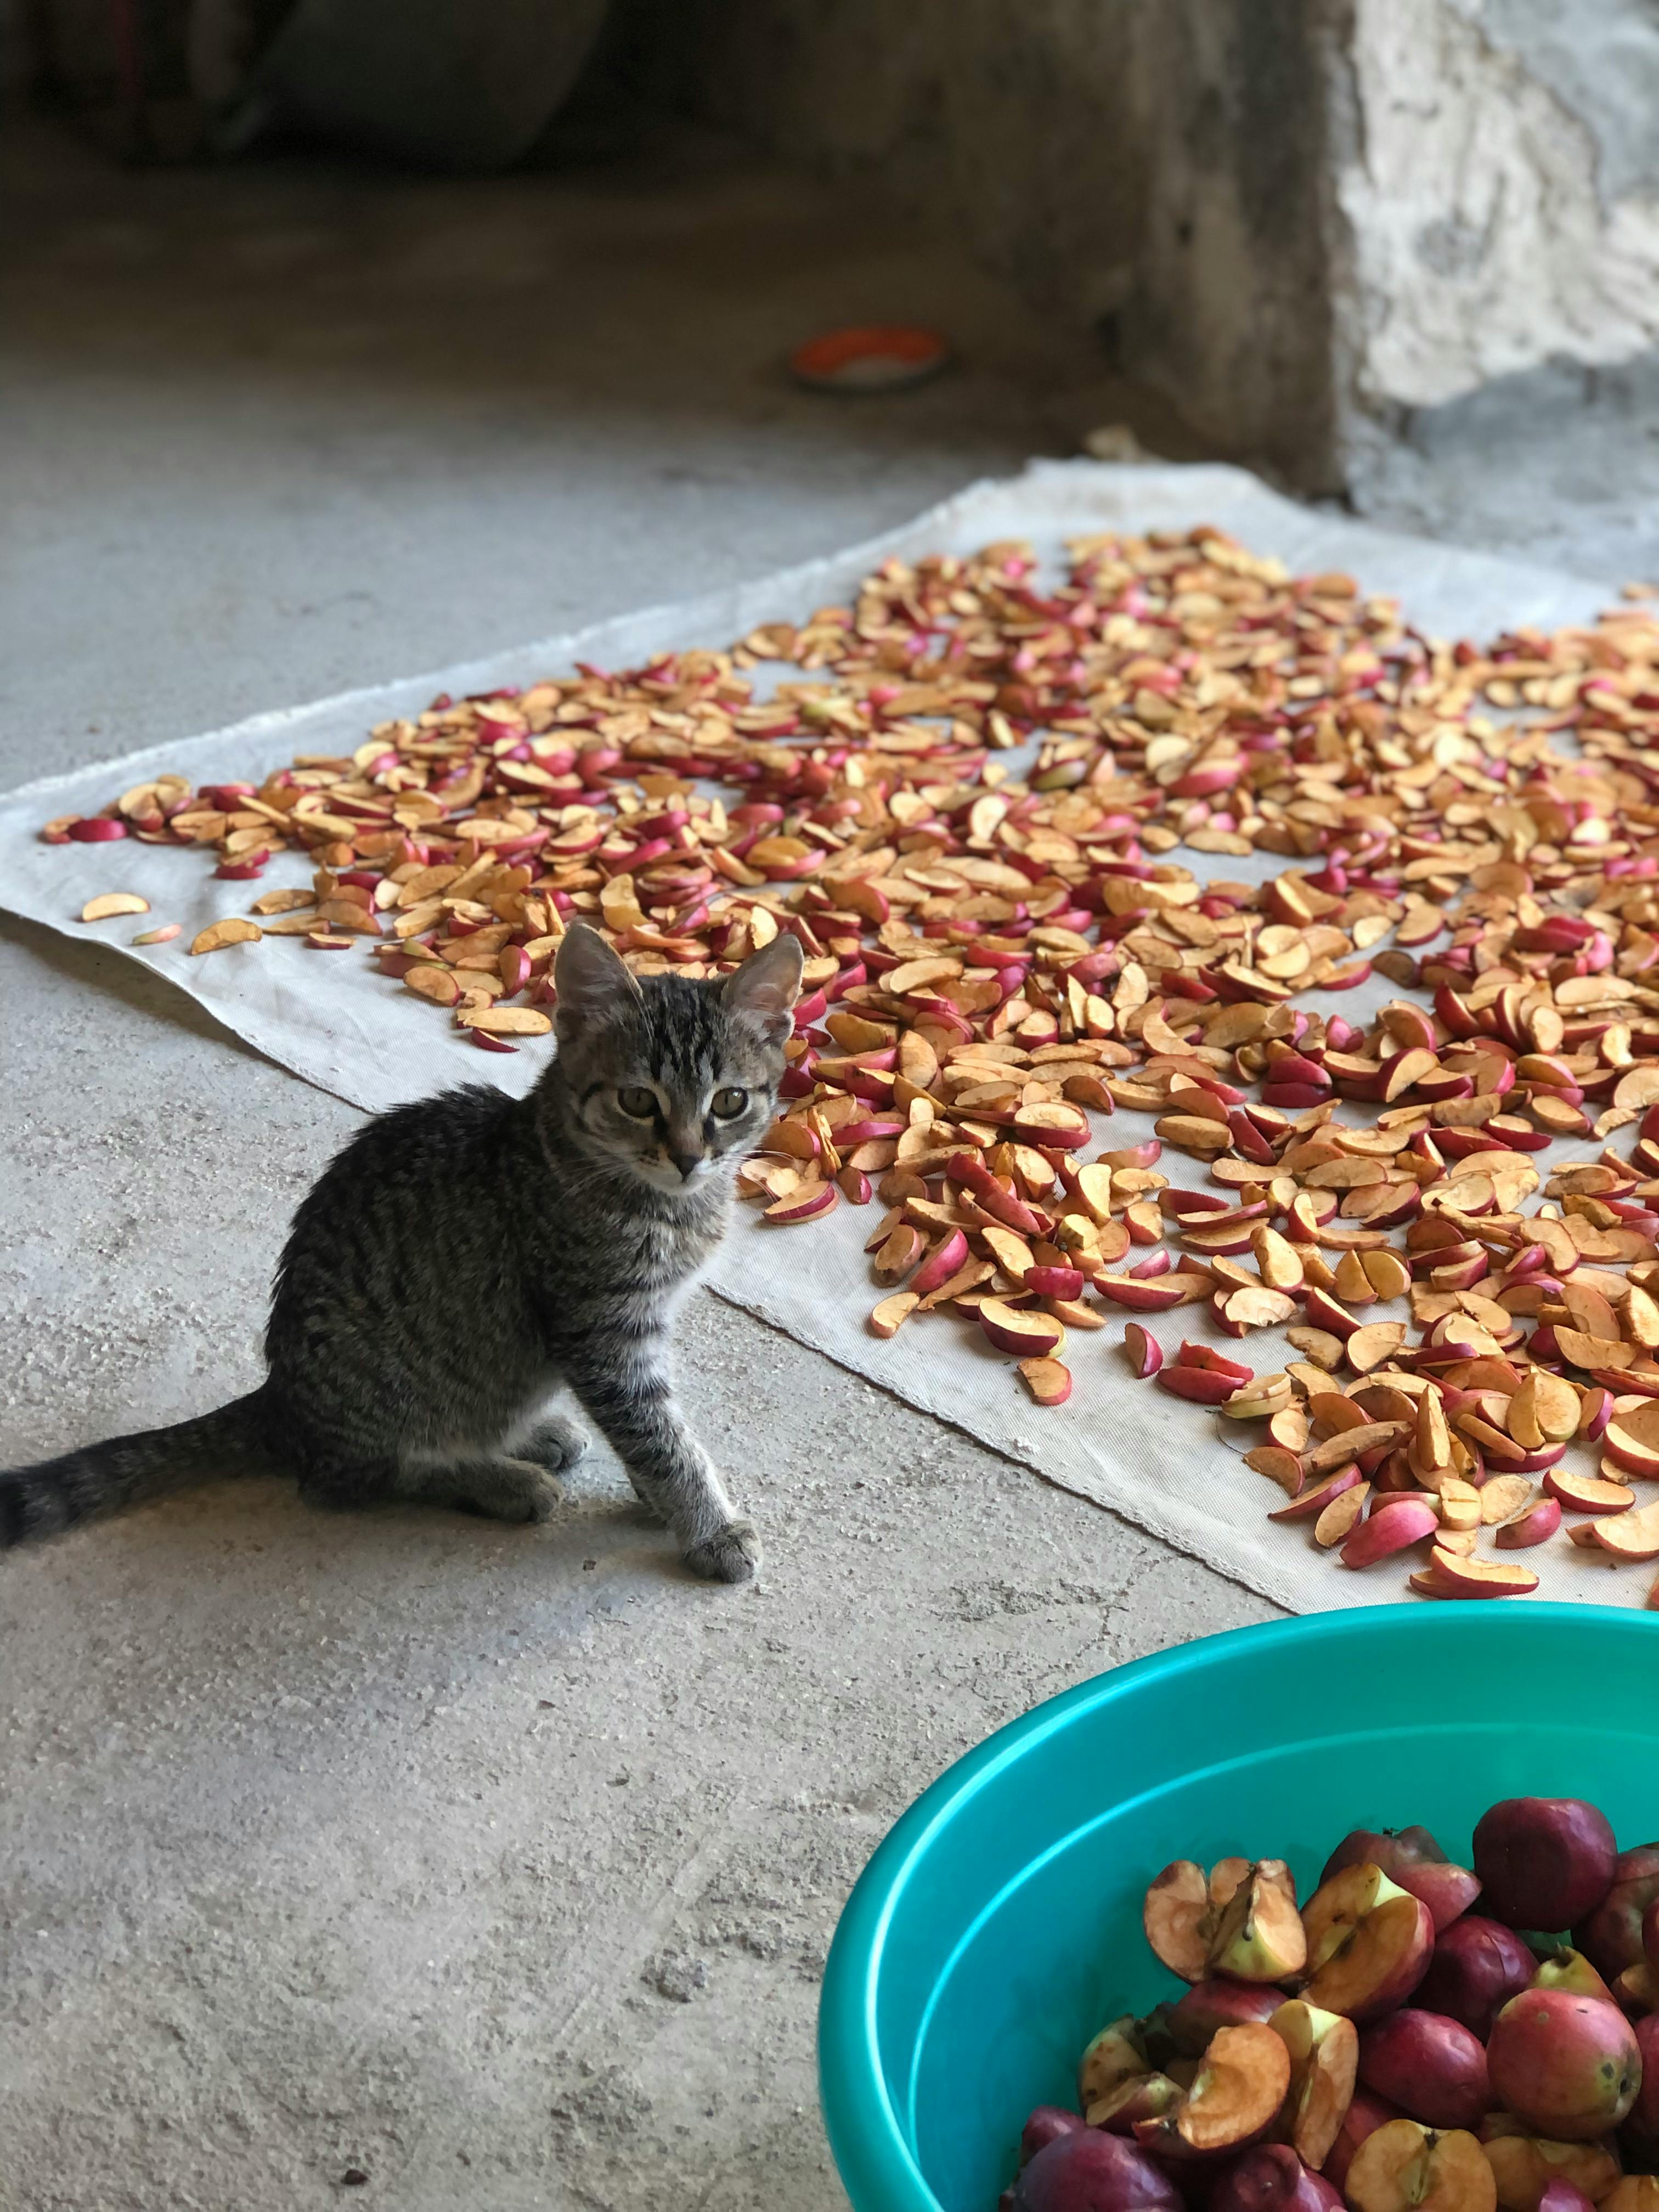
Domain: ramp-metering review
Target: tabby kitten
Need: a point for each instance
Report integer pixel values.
(466, 1258)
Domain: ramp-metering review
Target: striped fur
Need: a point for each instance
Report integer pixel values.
(466, 1260)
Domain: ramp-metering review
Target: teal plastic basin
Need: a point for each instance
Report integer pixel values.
(999, 1925)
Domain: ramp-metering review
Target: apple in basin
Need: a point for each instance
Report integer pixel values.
(1430, 2065)
(1368, 1942)
(1085, 2169)
(1544, 1861)
(1478, 1965)
(1412, 1857)
(1273, 2179)
(1568, 2066)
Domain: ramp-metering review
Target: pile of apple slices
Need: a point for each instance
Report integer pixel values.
(1386, 2045)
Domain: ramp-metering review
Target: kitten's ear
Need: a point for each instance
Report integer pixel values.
(590, 978)
(766, 987)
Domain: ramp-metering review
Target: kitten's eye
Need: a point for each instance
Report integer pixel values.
(729, 1103)
(637, 1101)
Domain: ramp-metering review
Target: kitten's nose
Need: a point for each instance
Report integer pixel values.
(687, 1163)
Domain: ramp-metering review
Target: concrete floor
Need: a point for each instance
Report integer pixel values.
(500, 1866)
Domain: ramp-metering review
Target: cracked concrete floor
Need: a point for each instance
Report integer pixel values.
(498, 1865)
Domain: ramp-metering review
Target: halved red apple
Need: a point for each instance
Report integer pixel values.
(1368, 1942)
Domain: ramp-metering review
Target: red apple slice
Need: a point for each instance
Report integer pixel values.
(1049, 1380)
(1584, 1493)
(804, 1203)
(1447, 1575)
(1632, 1440)
(1536, 1526)
(1308, 1504)
(1394, 1527)
(950, 1254)
(1145, 1353)
(1203, 1386)
(1024, 1330)
(1632, 1535)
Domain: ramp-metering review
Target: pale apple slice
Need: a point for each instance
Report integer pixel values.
(1116, 2055)
(1406, 2167)
(1143, 2097)
(1631, 1535)
(1368, 1942)
(1241, 2083)
(1448, 1575)
(1309, 1505)
(1177, 1918)
(1324, 2048)
(1585, 1494)
(1632, 1439)
(1260, 1937)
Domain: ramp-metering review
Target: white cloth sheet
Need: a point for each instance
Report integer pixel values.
(1167, 1466)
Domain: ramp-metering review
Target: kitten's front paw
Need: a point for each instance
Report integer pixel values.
(733, 1554)
(555, 1444)
(544, 1497)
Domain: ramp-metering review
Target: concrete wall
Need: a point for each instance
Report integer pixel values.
(1149, 171)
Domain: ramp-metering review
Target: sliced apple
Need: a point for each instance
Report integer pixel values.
(1116, 2055)
(1584, 1493)
(1177, 1919)
(1324, 2049)
(1241, 2083)
(1632, 1535)
(1523, 2167)
(1368, 1942)
(1260, 1937)
(1143, 2097)
(1632, 1439)
(1406, 2167)
(1309, 1505)
(1447, 1575)
(1021, 1330)
(1394, 1527)
(1536, 1525)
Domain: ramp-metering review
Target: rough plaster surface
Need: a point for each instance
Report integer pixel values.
(1497, 190)
(499, 1865)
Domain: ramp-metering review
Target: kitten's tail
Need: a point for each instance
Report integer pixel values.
(106, 1478)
